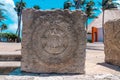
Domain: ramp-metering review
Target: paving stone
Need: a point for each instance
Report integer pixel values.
(6, 66)
(64, 77)
(10, 56)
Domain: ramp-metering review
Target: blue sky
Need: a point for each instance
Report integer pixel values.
(11, 20)
(10, 14)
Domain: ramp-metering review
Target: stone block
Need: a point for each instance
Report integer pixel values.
(53, 41)
(112, 42)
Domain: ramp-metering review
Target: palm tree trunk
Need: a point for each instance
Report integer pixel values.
(86, 24)
(16, 31)
(0, 35)
(103, 23)
(78, 4)
(19, 22)
(19, 27)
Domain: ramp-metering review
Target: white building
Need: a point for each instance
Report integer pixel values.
(109, 15)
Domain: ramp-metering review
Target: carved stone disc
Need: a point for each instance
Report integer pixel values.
(56, 43)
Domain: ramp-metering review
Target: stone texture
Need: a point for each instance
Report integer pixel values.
(112, 42)
(53, 41)
(63, 77)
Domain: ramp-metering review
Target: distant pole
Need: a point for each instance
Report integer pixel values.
(78, 4)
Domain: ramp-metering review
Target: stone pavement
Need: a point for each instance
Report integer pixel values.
(96, 68)
(95, 63)
(62, 77)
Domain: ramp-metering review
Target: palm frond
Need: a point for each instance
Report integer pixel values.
(1, 4)
(19, 5)
(67, 4)
(4, 27)
(2, 17)
(36, 7)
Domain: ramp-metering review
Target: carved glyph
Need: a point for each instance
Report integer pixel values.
(53, 41)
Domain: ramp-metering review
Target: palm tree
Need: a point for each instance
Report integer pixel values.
(87, 7)
(3, 27)
(19, 6)
(36, 7)
(67, 4)
(89, 10)
(107, 4)
(2, 17)
(80, 4)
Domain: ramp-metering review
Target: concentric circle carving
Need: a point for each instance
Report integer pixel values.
(117, 39)
(54, 43)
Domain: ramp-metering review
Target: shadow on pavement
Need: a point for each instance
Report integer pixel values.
(18, 50)
(95, 49)
(116, 68)
(18, 72)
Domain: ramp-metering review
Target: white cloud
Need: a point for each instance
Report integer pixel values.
(9, 7)
(11, 14)
(12, 28)
(8, 2)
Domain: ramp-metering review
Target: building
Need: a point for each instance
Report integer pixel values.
(109, 15)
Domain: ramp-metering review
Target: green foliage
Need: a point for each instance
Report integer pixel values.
(3, 27)
(80, 3)
(2, 17)
(89, 8)
(36, 7)
(108, 4)
(18, 9)
(19, 6)
(85, 5)
(90, 41)
(67, 4)
(10, 36)
(52, 8)
(1, 4)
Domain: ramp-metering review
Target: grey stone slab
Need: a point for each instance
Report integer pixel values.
(53, 41)
(112, 42)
